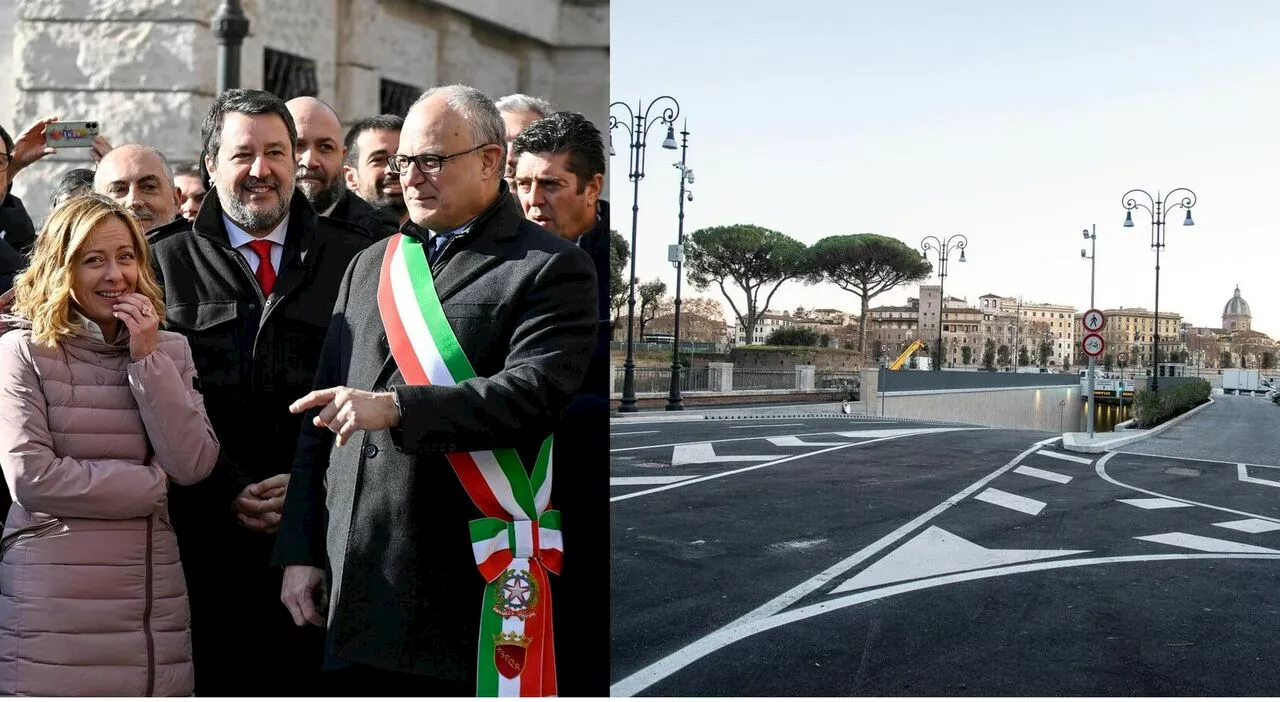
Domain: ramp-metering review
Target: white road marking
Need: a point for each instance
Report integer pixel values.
(938, 552)
(1197, 460)
(706, 453)
(1043, 474)
(885, 433)
(1204, 543)
(1243, 473)
(634, 433)
(1250, 526)
(649, 480)
(921, 430)
(789, 441)
(1154, 503)
(743, 628)
(1065, 457)
(1101, 469)
(756, 426)
(1008, 500)
(727, 634)
(702, 479)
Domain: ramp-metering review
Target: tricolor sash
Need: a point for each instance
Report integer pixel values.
(518, 540)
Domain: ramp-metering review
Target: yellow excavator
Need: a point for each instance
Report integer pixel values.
(906, 355)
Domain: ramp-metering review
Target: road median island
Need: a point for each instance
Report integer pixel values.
(1110, 441)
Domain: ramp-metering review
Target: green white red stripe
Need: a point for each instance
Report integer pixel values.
(518, 533)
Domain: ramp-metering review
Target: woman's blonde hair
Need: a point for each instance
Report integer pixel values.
(42, 292)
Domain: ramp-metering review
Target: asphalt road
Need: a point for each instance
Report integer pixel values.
(1233, 428)
(953, 561)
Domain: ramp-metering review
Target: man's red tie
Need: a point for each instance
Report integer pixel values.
(266, 272)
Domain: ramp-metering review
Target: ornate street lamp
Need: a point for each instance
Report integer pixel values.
(1157, 208)
(230, 26)
(944, 247)
(677, 259)
(637, 125)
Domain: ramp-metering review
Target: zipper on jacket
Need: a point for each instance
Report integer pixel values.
(28, 532)
(146, 617)
(262, 300)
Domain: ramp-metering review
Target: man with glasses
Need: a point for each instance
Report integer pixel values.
(374, 538)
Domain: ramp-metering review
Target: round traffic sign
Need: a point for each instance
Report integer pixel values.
(1094, 321)
(1093, 345)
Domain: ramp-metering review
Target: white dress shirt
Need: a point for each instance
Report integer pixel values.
(240, 242)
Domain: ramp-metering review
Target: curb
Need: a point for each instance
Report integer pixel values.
(616, 421)
(1071, 441)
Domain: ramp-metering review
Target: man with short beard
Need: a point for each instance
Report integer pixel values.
(251, 283)
(319, 176)
(138, 178)
(370, 142)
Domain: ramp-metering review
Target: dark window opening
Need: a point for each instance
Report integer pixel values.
(288, 76)
(396, 98)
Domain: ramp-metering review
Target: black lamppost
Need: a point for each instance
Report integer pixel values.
(637, 125)
(230, 26)
(677, 259)
(1157, 208)
(944, 247)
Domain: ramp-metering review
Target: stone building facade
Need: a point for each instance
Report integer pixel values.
(147, 69)
(1131, 331)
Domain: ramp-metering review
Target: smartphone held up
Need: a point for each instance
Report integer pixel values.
(65, 135)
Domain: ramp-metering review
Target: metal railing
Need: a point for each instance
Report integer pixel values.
(685, 347)
(837, 380)
(653, 379)
(744, 379)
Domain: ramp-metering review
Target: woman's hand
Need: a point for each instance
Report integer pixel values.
(137, 314)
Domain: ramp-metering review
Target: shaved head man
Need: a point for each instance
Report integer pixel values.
(320, 152)
(138, 177)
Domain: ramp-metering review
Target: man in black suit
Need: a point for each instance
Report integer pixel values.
(250, 283)
(375, 538)
(559, 174)
(321, 154)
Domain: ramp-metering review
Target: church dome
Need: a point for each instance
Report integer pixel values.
(1236, 306)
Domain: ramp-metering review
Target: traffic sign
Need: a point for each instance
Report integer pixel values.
(1094, 321)
(1093, 345)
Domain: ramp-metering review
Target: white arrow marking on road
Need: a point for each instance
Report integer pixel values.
(1154, 503)
(938, 552)
(1243, 473)
(649, 480)
(706, 453)
(797, 441)
(1250, 526)
(1008, 500)
(1065, 457)
(1203, 543)
(1043, 474)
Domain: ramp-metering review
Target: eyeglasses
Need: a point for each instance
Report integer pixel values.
(426, 163)
(4, 162)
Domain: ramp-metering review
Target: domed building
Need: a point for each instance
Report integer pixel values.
(1236, 315)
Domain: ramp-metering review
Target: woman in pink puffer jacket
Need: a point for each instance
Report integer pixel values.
(98, 412)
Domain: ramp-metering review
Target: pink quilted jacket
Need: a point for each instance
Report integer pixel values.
(92, 596)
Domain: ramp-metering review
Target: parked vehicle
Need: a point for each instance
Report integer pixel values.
(1241, 381)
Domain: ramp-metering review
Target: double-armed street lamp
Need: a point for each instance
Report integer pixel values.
(1091, 235)
(944, 247)
(637, 124)
(677, 259)
(1157, 208)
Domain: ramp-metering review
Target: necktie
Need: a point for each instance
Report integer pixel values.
(266, 273)
(437, 244)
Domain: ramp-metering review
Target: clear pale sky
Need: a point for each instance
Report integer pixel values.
(1015, 123)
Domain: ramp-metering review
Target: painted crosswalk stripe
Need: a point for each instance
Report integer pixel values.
(1043, 474)
(1203, 543)
(1250, 526)
(1008, 500)
(649, 480)
(1065, 457)
(1154, 503)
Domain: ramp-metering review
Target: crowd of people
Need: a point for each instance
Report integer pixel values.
(277, 422)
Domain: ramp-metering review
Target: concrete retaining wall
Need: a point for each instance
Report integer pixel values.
(1050, 407)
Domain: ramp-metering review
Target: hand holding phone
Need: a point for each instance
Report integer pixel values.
(67, 135)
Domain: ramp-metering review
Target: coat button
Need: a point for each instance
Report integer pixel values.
(99, 380)
(379, 389)
(370, 451)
